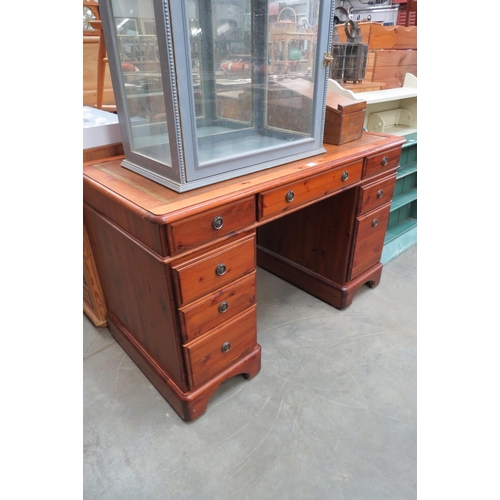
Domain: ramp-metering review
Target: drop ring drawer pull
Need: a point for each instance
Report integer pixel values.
(385, 161)
(374, 222)
(345, 176)
(290, 196)
(223, 307)
(218, 222)
(380, 193)
(220, 270)
(225, 347)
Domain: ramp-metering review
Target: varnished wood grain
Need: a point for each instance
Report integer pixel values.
(205, 356)
(366, 85)
(137, 289)
(188, 405)
(103, 152)
(193, 231)
(200, 316)
(339, 296)
(382, 162)
(94, 305)
(391, 66)
(157, 267)
(197, 275)
(140, 194)
(377, 193)
(341, 128)
(129, 217)
(317, 238)
(378, 36)
(369, 239)
(312, 189)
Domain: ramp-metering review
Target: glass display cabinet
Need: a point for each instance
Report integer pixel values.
(208, 90)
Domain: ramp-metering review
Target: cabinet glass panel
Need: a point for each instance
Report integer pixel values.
(240, 109)
(138, 58)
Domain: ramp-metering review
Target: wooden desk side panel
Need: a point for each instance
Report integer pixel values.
(139, 293)
(134, 222)
(318, 237)
(94, 304)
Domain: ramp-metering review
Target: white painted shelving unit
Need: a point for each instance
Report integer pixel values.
(394, 112)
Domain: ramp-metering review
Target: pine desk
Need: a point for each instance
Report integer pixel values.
(178, 270)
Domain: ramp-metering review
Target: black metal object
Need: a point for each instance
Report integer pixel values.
(349, 58)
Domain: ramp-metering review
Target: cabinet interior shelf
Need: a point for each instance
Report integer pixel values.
(400, 230)
(403, 199)
(400, 131)
(406, 170)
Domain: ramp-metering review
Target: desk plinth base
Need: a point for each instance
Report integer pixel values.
(188, 405)
(339, 296)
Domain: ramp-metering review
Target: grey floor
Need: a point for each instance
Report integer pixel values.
(331, 415)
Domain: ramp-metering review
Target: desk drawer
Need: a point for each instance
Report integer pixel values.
(294, 195)
(222, 305)
(376, 193)
(218, 349)
(381, 162)
(370, 234)
(208, 271)
(198, 229)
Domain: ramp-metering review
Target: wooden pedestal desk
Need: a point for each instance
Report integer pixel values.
(178, 270)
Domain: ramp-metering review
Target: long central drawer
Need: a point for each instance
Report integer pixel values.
(292, 196)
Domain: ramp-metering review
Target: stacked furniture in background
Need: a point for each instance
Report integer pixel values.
(394, 112)
(392, 52)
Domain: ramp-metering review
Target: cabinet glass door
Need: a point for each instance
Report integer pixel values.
(252, 68)
(142, 88)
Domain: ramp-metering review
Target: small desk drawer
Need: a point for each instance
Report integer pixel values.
(210, 311)
(294, 195)
(218, 349)
(376, 193)
(208, 271)
(382, 162)
(193, 231)
(370, 234)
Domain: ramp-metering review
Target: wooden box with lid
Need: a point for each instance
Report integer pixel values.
(344, 119)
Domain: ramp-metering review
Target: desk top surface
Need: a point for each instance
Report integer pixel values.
(132, 189)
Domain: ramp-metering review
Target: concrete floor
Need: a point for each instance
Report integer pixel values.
(331, 415)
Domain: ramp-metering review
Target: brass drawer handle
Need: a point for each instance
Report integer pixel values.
(385, 161)
(345, 176)
(380, 193)
(374, 222)
(223, 307)
(225, 347)
(218, 222)
(290, 196)
(220, 269)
